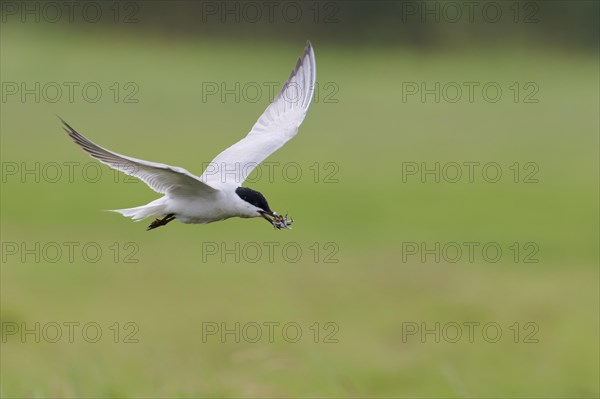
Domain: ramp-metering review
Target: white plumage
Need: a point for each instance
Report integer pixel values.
(217, 195)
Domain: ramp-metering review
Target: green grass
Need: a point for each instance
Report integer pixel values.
(371, 291)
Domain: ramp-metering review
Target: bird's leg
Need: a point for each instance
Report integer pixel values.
(161, 222)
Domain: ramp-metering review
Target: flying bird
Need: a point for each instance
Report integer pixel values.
(217, 194)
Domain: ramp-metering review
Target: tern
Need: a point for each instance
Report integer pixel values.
(218, 194)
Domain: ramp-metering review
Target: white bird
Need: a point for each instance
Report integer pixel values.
(217, 194)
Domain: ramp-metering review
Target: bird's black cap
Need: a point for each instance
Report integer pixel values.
(255, 198)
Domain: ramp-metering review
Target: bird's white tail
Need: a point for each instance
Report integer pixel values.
(153, 209)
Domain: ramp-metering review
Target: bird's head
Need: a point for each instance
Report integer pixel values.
(258, 203)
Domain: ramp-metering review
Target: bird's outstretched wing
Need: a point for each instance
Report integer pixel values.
(164, 179)
(277, 125)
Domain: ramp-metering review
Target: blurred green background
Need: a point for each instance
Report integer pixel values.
(369, 129)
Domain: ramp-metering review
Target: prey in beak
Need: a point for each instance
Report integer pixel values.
(279, 222)
(266, 216)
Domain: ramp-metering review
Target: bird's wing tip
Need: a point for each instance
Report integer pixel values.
(68, 128)
(309, 51)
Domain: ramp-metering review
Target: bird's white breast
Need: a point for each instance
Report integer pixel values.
(221, 205)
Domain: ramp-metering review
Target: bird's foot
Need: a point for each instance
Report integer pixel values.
(161, 222)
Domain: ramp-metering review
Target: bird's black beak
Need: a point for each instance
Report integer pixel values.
(266, 215)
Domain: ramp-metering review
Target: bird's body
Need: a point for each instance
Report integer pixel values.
(212, 207)
(217, 194)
